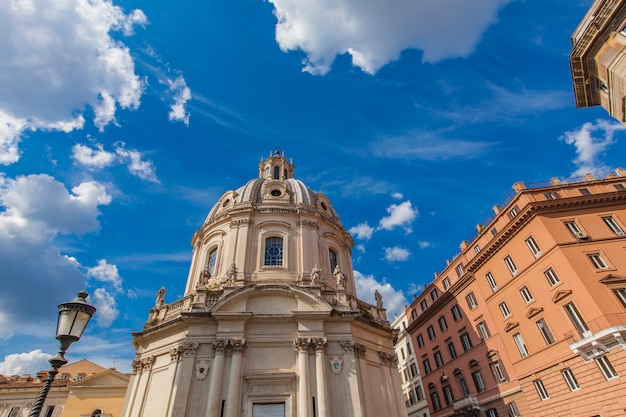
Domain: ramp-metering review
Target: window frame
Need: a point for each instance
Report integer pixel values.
(273, 259)
(466, 341)
(504, 309)
(443, 324)
(533, 246)
(456, 312)
(479, 381)
(446, 283)
(452, 350)
(420, 341)
(491, 281)
(541, 389)
(546, 333)
(521, 345)
(499, 372)
(472, 303)
(552, 277)
(510, 264)
(570, 379)
(607, 369)
(430, 330)
(613, 225)
(483, 330)
(574, 229)
(620, 293)
(576, 317)
(597, 261)
(438, 359)
(526, 294)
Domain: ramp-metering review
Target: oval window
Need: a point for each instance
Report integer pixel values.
(275, 193)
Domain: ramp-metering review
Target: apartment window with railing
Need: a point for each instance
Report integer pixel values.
(492, 282)
(483, 330)
(504, 309)
(597, 260)
(613, 225)
(499, 373)
(552, 277)
(570, 379)
(533, 247)
(460, 379)
(492, 412)
(576, 318)
(575, 230)
(513, 410)
(434, 398)
(447, 394)
(479, 382)
(548, 338)
(606, 367)
(526, 295)
(521, 346)
(541, 389)
(443, 325)
(456, 312)
(508, 261)
(471, 301)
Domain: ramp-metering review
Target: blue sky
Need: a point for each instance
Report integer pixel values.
(122, 123)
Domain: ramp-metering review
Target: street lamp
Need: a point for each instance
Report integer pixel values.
(73, 318)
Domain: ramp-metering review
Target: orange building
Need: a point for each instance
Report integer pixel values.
(529, 319)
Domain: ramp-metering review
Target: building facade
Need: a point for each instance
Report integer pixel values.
(412, 386)
(270, 324)
(529, 319)
(597, 59)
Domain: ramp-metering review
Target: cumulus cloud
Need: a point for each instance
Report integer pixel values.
(397, 196)
(400, 215)
(25, 363)
(107, 273)
(97, 158)
(362, 231)
(394, 300)
(181, 94)
(591, 140)
(375, 32)
(34, 210)
(422, 244)
(58, 58)
(106, 305)
(396, 253)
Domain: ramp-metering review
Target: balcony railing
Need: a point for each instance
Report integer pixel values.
(467, 402)
(605, 333)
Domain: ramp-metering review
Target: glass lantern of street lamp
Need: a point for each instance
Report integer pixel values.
(73, 318)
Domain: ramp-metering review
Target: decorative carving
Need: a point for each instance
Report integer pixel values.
(379, 300)
(340, 277)
(336, 364)
(388, 359)
(175, 354)
(219, 346)
(202, 369)
(359, 350)
(144, 364)
(301, 344)
(319, 343)
(136, 365)
(315, 276)
(203, 280)
(347, 345)
(239, 222)
(231, 275)
(160, 298)
(238, 345)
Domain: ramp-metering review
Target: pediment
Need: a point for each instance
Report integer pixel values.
(534, 311)
(511, 326)
(108, 378)
(613, 279)
(561, 295)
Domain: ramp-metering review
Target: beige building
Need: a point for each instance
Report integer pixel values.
(529, 319)
(80, 389)
(598, 58)
(269, 324)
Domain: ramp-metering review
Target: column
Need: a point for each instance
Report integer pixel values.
(184, 357)
(302, 347)
(233, 399)
(320, 348)
(385, 376)
(215, 389)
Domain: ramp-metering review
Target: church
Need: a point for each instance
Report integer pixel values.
(270, 324)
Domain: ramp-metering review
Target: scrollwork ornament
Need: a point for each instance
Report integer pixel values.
(238, 345)
(301, 344)
(347, 345)
(219, 346)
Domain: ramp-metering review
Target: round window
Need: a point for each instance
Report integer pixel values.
(276, 193)
(323, 205)
(226, 202)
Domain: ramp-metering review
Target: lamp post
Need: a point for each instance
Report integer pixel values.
(73, 318)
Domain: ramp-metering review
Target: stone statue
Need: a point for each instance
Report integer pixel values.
(315, 275)
(204, 279)
(160, 298)
(231, 275)
(379, 300)
(341, 278)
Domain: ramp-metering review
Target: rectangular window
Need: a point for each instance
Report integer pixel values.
(434, 398)
(431, 332)
(274, 251)
(552, 277)
(499, 373)
(427, 368)
(463, 386)
(504, 309)
(402, 353)
(408, 348)
(612, 224)
(438, 359)
(521, 346)
(513, 212)
(477, 248)
(466, 341)
(576, 318)
(492, 412)
(459, 270)
(446, 283)
(419, 392)
(605, 366)
(447, 395)
(513, 411)
(597, 261)
(494, 231)
(477, 377)
(619, 187)
(526, 295)
(510, 265)
(541, 389)
(471, 300)
(570, 379)
(548, 338)
(423, 305)
(420, 341)
(621, 295)
(406, 375)
(413, 314)
(584, 191)
(413, 369)
(434, 294)
(483, 330)
(551, 195)
(452, 350)
(492, 282)
(268, 410)
(442, 323)
(456, 312)
(533, 246)
(575, 231)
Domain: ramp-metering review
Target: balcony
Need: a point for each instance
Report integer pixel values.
(605, 333)
(466, 405)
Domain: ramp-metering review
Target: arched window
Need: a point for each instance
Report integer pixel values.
(96, 413)
(332, 255)
(211, 262)
(274, 251)
(276, 173)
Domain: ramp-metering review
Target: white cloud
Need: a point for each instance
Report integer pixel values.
(25, 363)
(394, 300)
(181, 93)
(106, 307)
(105, 272)
(97, 158)
(591, 140)
(37, 208)
(400, 215)
(396, 253)
(136, 165)
(362, 231)
(397, 196)
(428, 146)
(58, 58)
(424, 244)
(375, 32)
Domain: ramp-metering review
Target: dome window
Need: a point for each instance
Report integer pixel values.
(332, 255)
(226, 202)
(276, 193)
(276, 173)
(324, 206)
(210, 265)
(274, 251)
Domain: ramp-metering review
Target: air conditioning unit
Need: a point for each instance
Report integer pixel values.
(581, 236)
